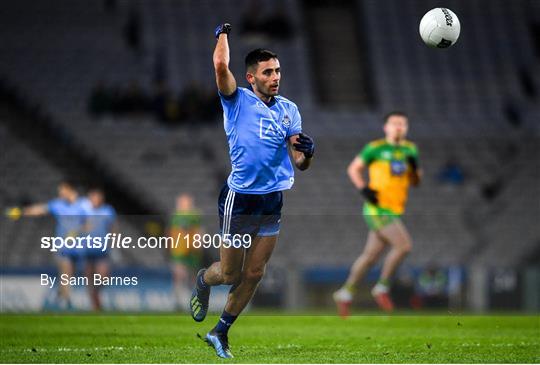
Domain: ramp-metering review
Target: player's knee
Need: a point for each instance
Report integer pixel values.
(253, 276)
(231, 277)
(406, 248)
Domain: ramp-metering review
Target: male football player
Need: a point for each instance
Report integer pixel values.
(392, 165)
(185, 259)
(101, 220)
(261, 128)
(70, 215)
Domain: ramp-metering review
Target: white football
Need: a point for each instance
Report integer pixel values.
(440, 28)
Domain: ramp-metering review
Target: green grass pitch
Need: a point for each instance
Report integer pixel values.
(271, 339)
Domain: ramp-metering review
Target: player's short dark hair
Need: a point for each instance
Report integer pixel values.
(396, 113)
(95, 188)
(259, 55)
(70, 183)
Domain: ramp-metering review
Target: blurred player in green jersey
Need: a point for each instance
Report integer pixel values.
(392, 166)
(185, 259)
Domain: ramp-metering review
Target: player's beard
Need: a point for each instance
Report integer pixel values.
(273, 92)
(396, 138)
(400, 137)
(267, 91)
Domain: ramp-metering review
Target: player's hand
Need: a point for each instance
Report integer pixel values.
(222, 28)
(13, 213)
(370, 195)
(413, 163)
(414, 175)
(305, 144)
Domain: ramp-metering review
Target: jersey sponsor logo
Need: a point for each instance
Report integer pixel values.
(269, 129)
(397, 168)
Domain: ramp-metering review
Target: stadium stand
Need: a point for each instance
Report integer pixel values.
(29, 176)
(456, 104)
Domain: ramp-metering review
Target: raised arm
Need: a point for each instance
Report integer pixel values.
(224, 78)
(35, 210)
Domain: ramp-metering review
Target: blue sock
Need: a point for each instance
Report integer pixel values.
(225, 322)
(200, 281)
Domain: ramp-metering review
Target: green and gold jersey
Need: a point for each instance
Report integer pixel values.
(184, 225)
(389, 172)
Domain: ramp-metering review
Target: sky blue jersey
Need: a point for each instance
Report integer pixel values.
(257, 134)
(70, 217)
(100, 220)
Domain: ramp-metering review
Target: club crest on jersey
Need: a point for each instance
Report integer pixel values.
(286, 121)
(398, 155)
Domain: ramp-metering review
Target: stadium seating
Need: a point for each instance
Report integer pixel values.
(28, 177)
(455, 98)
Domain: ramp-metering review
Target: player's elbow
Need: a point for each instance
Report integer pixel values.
(352, 171)
(220, 66)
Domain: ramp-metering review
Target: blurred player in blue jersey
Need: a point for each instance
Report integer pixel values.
(262, 128)
(101, 218)
(70, 215)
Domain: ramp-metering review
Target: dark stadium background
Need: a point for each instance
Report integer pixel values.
(122, 94)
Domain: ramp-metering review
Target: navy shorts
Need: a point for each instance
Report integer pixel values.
(95, 255)
(69, 254)
(254, 214)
